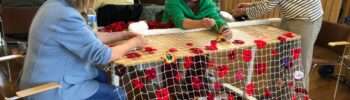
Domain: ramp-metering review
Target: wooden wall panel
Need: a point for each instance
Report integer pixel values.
(331, 7)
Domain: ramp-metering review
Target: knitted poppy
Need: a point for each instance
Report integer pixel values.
(289, 34)
(150, 50)
(210, 96)
(239, 42)
(239, 75)
(247, 55)
(267, 92)
(196, 82)
(137, 84)
(222, 71)
(230, 96)
(261, 68)
(260, 44)
(163, 94)
(188, 62)
(197, 50)
(172, 50)
(232, 55)
(250, 89)
(217, 86)
(274, 52)
(151, 73)
(178, 76)
(132, 55)
(296, 53)
(282, 39)
(211, 63)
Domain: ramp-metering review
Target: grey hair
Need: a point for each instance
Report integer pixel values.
(82, 5)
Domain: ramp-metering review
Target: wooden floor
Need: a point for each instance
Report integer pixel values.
(323, 89)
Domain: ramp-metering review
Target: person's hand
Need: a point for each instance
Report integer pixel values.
(137, 42)
(226, 33)
(240, 9)
(208, 22)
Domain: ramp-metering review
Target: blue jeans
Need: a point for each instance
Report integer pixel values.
(107, 91)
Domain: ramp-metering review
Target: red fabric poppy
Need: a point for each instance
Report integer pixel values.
(250, 89)
(150, 50)
(196, 82)
(306, 97)
(274, 52)
(132, 55)
(222, 71)
(260, 44)
(231, 96)
(188, 62)
(296, 53)
(210, 96)
(137, 84)
(163, 94)
(172, 50)
(301, 90)
(239, 75)
(212, 46)
(217, 86)
(267, 92)
(261, 68)
(232, 55)
(294, 97)
(152, 24)
(247, 55)
(178, 76)
(151, 73)
(289, 34)
(197, 50)
(189, 44)
(211, 63)
(240, 42)
(290, 84)
(282, 39)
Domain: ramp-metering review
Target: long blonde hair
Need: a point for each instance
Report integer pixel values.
(82, 5)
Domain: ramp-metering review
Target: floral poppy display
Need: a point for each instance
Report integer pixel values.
(232, 55)
(196, 82)
(210, 96)
(274, 52)
(172, 50)
(132, 55)
(150, 50)
(212, 46)
(250, 87)
(260, 44)
(163, 94)
(151, 73)
(222, 71)
(231, 96)
(247, 55)
(296, 53)
(137, 84)
(239, 42)
(261, 68)
(188, 62)
(282, 39)
(178, 76)
(217, 86)
(267, 92)
(197, 50)
(239, 75)
(289, 34)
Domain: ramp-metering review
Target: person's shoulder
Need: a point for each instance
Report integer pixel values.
(59, 8)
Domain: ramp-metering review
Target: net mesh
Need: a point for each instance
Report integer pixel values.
(264, 71)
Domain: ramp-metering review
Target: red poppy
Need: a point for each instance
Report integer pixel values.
(232, 55)
(137, 84)
(189, 44)
(210, 96)
(301, 90)
(282, 39)
(289, 34)
(178, 76)
(231, 96)
(247, 55)
(239, 75)
(296, 53)
(196, 82)
(294, 97)
(212, 46)
(188, 62)
(132, 55)
(217, 86)
(274, 52)
(261, 68)
(150, 50)
(197, 50)
(211, 63)
(238, 42)
(267, 92)
(163, 94)
(153, 24)
(151, 73)
(306, 97)
(172, 50)
(290, 84)
(260, 44)
(222, 71)
(117, 26)
(250, 89)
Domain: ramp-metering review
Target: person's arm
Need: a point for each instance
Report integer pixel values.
(108, 38)
(260, 8)
(119, 51)
(191, 24)
(213, 13)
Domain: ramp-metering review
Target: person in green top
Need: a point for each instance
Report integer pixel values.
(189, 14)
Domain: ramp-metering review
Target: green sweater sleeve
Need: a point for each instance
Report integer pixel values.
(213, 12)
(174, 12)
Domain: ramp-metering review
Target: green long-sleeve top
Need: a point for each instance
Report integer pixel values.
(178, 10)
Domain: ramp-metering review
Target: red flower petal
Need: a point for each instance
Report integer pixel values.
(188, 62)
(239, 75)
(189, 44)
(260, 44)
(178, 76)
(290, 84)
(301, 90)
(132, 55)
(250, 89)
(296, 53)
(217, 86)
(172, 50)
(210, 96)
(289, 34)
(137, 84)
(274, 52)
(211, 48)
(213, 43)
(282, 39)
(294, 97)
(222, 71)
(306, 97)
(231, 97)
(197, 50)
(151, 73)
(247, 55)
(163, 94)
(150, 50)
(196, 82)
(238, 42)
(267, 92)
(232, 55)
(261, 68)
